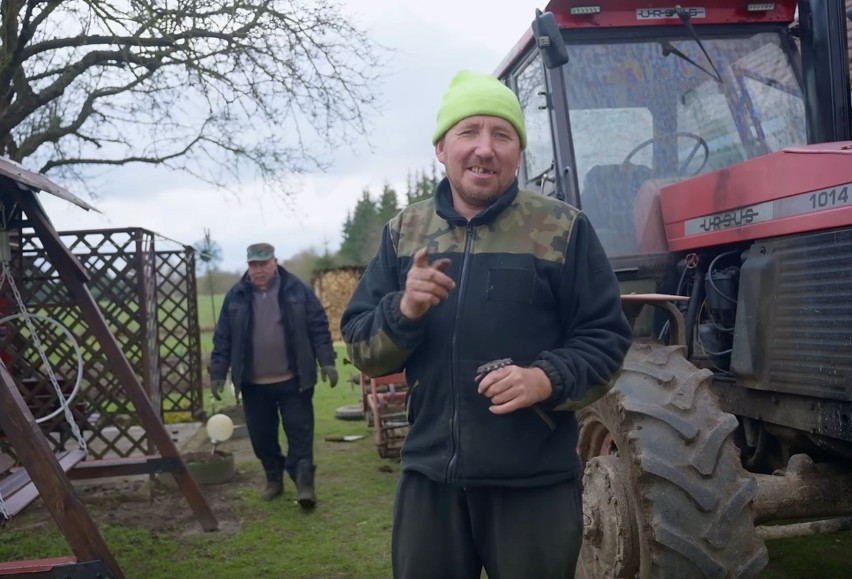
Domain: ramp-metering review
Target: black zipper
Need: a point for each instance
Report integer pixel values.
(455, 425)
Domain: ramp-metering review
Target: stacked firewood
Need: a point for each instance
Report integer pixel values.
(334, 287)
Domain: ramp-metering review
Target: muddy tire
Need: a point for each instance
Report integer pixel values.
(665, 495)
(349, 412)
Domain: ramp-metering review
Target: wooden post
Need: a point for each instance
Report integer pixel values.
(53, 485)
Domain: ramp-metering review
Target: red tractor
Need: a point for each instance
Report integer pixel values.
(710, 146)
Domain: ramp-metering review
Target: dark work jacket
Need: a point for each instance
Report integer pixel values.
(305, 329)
(532, 284)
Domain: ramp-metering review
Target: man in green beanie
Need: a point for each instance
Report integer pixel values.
(504, 312)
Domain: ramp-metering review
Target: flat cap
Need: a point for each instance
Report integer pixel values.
(260, 252)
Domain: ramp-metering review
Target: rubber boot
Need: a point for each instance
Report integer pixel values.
(305, 484)
(274, 486)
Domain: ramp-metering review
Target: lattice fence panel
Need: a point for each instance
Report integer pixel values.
(129, 283)
(180, 349)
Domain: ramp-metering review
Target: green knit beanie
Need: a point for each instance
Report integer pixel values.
(472, 94)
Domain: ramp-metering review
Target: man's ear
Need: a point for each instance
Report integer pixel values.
(439, 151)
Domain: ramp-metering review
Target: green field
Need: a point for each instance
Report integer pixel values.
(207, 304)
(347, 536)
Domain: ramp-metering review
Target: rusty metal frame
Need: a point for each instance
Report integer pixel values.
(633, 304)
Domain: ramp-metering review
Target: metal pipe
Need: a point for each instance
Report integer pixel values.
(806, 490)
(692, 309)
(772, 532)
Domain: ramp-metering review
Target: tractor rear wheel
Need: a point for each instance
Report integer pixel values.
(665, 495)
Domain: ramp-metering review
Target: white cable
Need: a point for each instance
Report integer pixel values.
(27, 317)
(64, 405)
(79, 355)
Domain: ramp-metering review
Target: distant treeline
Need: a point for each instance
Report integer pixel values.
(362, 231)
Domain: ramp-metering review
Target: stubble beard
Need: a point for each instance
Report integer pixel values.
(478, 197)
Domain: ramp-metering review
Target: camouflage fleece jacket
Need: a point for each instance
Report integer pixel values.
(532, 284)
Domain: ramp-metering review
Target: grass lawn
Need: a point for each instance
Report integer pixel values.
(347, 536)
(818, 557)
(208, 315)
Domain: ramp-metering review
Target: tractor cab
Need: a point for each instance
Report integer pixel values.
(653, 94)
(710, 147)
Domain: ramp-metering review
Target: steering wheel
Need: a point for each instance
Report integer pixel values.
(700, 143)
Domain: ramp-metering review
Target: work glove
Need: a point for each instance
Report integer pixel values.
(216, 388)
(329, 374)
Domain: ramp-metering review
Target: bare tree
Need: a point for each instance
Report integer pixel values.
(221, 89)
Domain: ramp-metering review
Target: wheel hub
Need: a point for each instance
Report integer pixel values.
(610, 545)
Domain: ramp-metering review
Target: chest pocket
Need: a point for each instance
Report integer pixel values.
(296, 316)
(511, 285)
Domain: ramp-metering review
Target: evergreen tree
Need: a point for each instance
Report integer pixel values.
(388, 204)
(362, 230)
(359, 237)
(326, 261)
(423, 186)
(303, 264)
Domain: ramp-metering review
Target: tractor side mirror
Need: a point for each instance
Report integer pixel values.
(549, 40)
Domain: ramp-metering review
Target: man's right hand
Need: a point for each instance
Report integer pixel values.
(216, 388)
(426, 285)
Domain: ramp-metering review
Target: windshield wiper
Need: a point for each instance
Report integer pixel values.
(669, 49)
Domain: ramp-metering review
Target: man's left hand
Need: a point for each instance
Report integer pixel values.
(512, 388)
(329, 374)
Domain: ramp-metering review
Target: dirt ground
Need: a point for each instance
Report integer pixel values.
(157, 505)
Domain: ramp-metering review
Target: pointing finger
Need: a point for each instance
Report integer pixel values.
(441, 264)
(421, 258)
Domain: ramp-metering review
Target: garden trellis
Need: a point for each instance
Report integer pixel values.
(43, 470)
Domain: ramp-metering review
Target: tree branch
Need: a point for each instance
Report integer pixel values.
(125, 161)
(251, 88)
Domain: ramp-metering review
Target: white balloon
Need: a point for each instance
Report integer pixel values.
(220, 427)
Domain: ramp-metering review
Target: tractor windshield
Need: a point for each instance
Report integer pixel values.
(647, 113)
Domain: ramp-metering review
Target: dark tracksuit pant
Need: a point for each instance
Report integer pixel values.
(263, 404)
(453, 532)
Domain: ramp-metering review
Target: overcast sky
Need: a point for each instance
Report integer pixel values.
(432, 40)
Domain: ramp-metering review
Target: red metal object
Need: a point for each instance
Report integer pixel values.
(36, 566)
(384, 407)
(796, 190)
(629, 13)
(622, 13)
